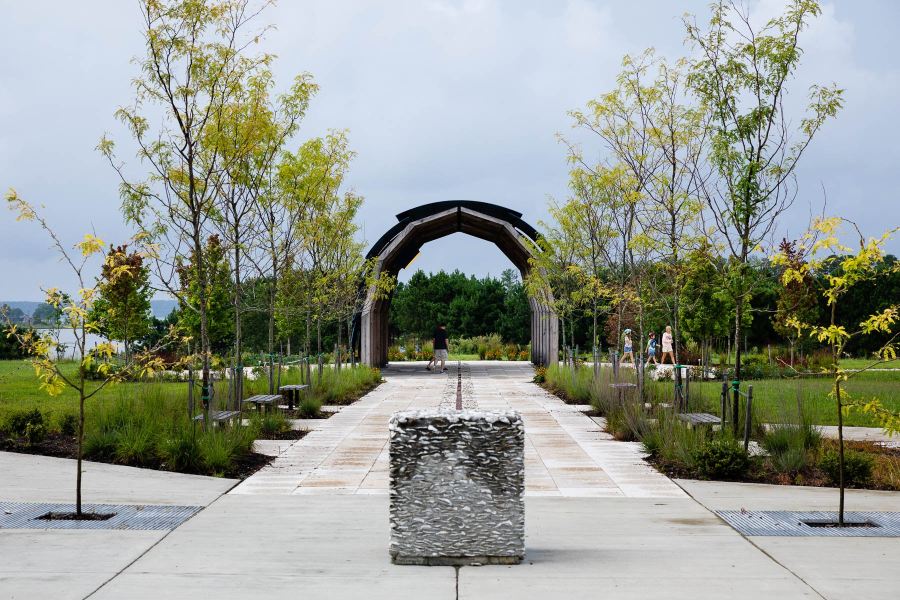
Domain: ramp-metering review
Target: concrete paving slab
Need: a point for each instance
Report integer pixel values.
(722, 495)
(246, 546)
(29, 478)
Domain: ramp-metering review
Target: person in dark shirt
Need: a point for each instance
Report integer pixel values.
(439, 342)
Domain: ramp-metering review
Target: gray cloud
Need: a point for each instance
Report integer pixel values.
(444, 99)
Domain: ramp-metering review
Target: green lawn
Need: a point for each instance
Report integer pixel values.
(777, 399)
(20, 388)
(774, 400)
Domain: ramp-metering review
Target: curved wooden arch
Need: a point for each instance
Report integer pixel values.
(396, 249)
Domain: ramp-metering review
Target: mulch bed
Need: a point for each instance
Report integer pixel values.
(810, 476)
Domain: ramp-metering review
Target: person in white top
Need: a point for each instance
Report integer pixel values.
(667, 346)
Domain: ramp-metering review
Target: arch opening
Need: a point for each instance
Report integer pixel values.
(397, 248)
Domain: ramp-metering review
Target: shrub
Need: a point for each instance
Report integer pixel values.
(180, 451)
(482, 351)
(722, 458)
(35, 433)
(68, 423)
(791, 460)
(858, 467)
(540, 375)
(221, 446)
(18, 421)
(511, 351)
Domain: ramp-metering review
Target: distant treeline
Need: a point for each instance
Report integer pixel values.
(470, 307)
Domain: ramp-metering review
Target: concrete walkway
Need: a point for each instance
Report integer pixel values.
(566, 453)
(599, 521)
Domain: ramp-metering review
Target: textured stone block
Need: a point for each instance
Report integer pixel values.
(457, 481)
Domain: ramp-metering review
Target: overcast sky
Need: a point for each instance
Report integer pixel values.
(445, 99)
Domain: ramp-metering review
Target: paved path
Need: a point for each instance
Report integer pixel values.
(566, 453)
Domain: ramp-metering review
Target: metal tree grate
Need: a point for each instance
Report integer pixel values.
(794, 523)
(146, 517)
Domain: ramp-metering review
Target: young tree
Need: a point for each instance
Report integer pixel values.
(658, 140)
(42, 347)
(741, 78)
(219, 306)
(255, 131)
(796, 297)
(844, 269)
(553, 271)
(196, 67)
(122, 309)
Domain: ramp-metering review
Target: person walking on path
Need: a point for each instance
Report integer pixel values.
(439, 343)
(667, 346)
(629, 349)
(651, 349)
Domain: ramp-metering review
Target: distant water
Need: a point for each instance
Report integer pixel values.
(67, 337)
(159, 308)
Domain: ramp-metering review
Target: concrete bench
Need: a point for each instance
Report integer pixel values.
(704, 419)
(218, 416)
(261, 400)
(292, 393)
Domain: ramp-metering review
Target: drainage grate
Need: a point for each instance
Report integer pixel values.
(24, 515)
(794, 523)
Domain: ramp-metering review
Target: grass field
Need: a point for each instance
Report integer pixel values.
(20, 389)
(774, 399)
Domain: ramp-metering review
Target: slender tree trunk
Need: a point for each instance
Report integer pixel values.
(739, 313)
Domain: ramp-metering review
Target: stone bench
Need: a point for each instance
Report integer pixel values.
(457, 487)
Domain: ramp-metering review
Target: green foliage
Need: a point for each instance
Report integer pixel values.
(35, 433)
(219, 309)
(180, 451)
(309, 408)
(10, 348)
(100, 444)
(858, 467)
(122, 311)
(17, 422)
(722, 458)
(221, 446)
(471, 307)
(789, 446)
(67, 423)
(272, 423)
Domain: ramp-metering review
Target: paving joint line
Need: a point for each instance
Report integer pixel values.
(751, 542)
(159, 541)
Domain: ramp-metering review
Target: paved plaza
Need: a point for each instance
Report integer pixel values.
(600, 522)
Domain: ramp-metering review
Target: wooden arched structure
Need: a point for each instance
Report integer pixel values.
(416, 227)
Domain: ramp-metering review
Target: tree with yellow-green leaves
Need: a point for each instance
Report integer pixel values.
(43, 347)
(196, 67)
(657, 140)
(840, 268)
(740, 78)
(258, 127)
